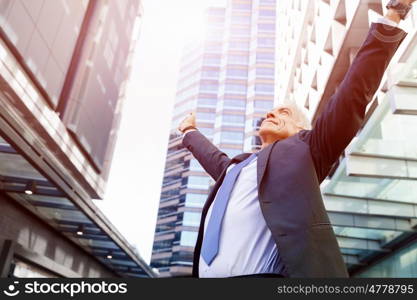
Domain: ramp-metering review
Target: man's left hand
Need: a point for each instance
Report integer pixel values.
(393, 15)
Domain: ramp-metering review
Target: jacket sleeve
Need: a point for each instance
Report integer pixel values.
(209, 156)
(344, 114)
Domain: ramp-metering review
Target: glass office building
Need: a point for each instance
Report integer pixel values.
(371, 194)
(63, 71)
(228, 78)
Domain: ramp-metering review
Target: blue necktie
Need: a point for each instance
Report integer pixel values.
(210, 246)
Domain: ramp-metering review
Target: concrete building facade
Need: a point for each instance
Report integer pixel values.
(370, 194)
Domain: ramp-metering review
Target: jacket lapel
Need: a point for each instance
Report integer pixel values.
(263, 157)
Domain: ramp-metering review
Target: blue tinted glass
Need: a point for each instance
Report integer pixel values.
(241, 19)
(231, 152)
(234, 103)
(237, 72)
(236, 88)
(208, 87)
(203, 116)
(266, 42)
(207, 101)
(242, 6)
(195, 200)
(231, 137)
(239, 45)
(188, 238)
(265, 71)
(266, 27)
(210, 74)
(237, 59)
(240, 31)
(267, 13)
(191, 219)
(269, 88)
(208, 132)
(233, 119)
(265, 56)
(198, 182)
(263, 104)
(211, 60)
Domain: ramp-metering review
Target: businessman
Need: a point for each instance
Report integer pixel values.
(265, 216)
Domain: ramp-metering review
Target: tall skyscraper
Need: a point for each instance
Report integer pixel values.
(371, 193)
(63, 71)
(228, 78)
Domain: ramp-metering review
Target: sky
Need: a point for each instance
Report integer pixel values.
(132, 195)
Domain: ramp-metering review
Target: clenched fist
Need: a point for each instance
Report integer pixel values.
(188, 122)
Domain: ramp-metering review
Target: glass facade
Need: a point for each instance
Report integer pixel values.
(222, 80)
(62, 82)
(371, 192)
(403, 263)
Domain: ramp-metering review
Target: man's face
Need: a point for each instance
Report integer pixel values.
(278, 125)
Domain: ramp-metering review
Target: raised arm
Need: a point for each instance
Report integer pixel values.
(344, 114)
(209, 156)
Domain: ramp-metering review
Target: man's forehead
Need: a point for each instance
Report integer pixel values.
(277, 108)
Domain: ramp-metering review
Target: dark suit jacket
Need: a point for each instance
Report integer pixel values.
(290, 171)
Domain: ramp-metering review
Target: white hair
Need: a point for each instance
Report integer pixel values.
(299, 114)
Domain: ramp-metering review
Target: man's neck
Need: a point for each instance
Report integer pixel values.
(265, 144)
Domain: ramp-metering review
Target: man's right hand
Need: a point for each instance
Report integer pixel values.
(187, 122)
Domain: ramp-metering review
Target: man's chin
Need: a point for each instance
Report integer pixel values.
(270, 135)
(266, 133)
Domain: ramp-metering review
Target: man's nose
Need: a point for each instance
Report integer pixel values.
(270, 115)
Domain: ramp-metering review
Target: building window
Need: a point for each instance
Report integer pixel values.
(266, 42)
(241, 19)
(231, 152)
(198, 182)
(240, 31)
(195, 200)
(208, 117)
(211, 60)
(265, 71)
(191, 219)
(231, 137)
(256, 123)
(236, 88)
(208, 87)
(264, 88)
(238, 59)
(237, 73)
(242, 6)
(233, 119)
(266, 27)
(239, 45)
(234, 103)
(208, 132)
(263, 104)
(265, 57)
(402, 263)
(206, 101)
(267, 13)
(188, 238)
(210, 74)
(195, 165)
(256, 141)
